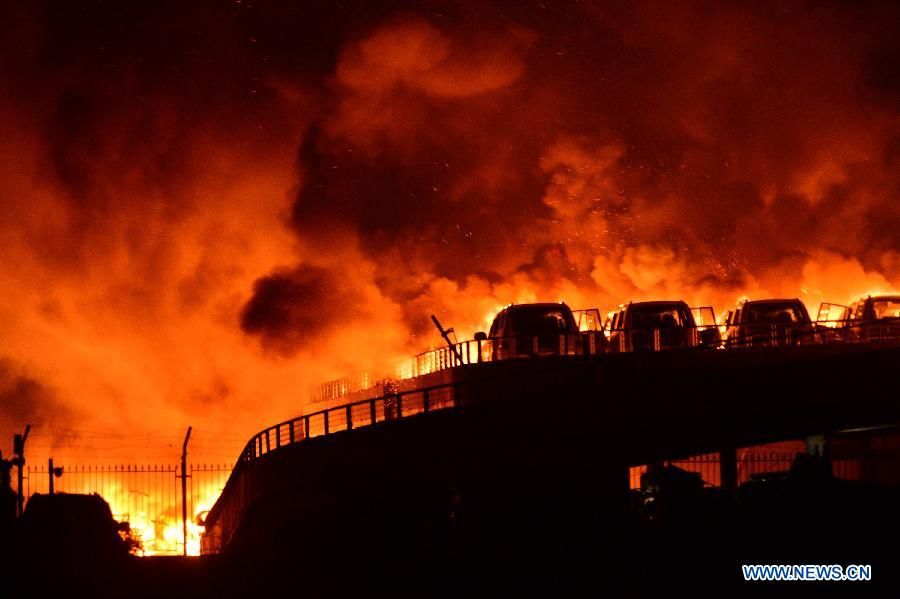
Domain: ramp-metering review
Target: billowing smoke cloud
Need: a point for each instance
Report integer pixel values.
(25, 399)
(602, 155)
(209, 208)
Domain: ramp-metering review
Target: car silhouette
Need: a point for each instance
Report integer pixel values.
(770, 323)
(659, 325)
(540, 329)
(869, 319)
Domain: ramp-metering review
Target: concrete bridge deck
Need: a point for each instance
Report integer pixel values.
(552, 436)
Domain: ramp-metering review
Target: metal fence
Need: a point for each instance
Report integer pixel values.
(350, 416)
(750, 462)
(147, 496)
(591, 343)
(585, 343)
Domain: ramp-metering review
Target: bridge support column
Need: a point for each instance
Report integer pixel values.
(728, 470)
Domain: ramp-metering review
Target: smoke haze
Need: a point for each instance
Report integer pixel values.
(208, 208)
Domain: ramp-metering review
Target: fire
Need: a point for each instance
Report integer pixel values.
(159, 528)
(184, 244)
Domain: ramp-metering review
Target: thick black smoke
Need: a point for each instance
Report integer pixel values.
(186, 182)
(622, 151)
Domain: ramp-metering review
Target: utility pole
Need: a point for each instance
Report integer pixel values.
(184, 476)
(19, 461)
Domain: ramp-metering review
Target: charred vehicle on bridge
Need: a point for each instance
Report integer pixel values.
(541, 329)
(770, 323)
(869, 319)
(660, 325)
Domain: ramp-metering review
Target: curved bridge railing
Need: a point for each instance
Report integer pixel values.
(351, 416)
(238, 494)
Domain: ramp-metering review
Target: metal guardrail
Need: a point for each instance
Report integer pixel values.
(591, 343)
(627, 340)
(351, 416)
(823, 332)
(476, 351)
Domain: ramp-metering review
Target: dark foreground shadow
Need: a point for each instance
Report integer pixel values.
(523, 548)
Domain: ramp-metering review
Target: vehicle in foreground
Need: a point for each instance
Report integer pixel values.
(660, 325)
(770, 323)
(541, 329)
(72, 525)
(869, 319)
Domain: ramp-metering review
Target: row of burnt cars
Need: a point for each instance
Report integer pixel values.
(521, 330)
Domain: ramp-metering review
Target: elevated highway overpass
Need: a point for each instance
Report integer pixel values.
(547, 441)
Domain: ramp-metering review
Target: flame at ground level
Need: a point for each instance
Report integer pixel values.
(159, 529)
(147, 497)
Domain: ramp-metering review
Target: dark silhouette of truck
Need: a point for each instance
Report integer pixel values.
(72, 527)
(660, 325)
(541, 329)
(770, 323)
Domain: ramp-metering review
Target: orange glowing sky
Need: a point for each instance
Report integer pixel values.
(208, 209)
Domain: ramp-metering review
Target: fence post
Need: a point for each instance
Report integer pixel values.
(425, 400)
(291, 431)
(349, 417)
(184, 476)
(306, 427)
(728, 470)
(277, 436)
(399, 406)
(325, 415)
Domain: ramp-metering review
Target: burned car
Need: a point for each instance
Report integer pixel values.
(770, 323)
(869, 319)
(660, 325)
(541, 329)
